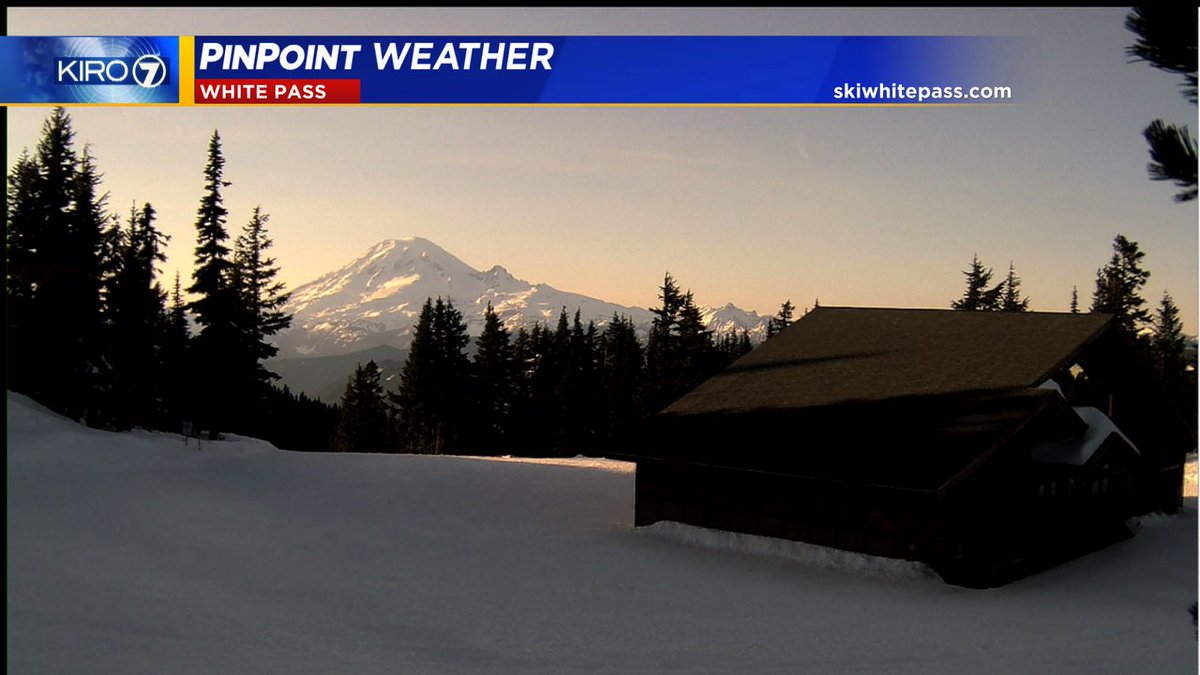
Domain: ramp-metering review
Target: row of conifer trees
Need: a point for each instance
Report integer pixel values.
(543, 391)
(93, 333)
(1118, 289)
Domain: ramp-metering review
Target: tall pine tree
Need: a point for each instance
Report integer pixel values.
(679, 351)
(433, 395)
(55, 218)
(662, 348)
(577, 390)
(218, 348)
(699, 359)
(364, 422)
(176, 369)
(1010, 296)
(262, 295)
(493, 385)
(414, 403)
(88, 216)
(525, 416)
(1167, 342)
(136, 307)
(1119, 285)
(622, 378)
(21, 257)
(57, 349)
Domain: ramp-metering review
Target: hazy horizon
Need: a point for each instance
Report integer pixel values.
(754, 206)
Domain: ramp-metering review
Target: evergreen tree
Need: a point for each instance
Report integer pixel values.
(494, 384)
(699, 359)
(136, 306)
(417, 379)
(662, 348)
(262, 295)
(1074, 300)
(1011, 300)
(1167, 40)
(364, 423)
(1119, 285)
(1167, 342)
(219, 347)
(1172, 157)
(454, 372)
(176, 372)
(297, 422)
(433, 394)
(781, 320)
(56, 349)
(554, 385)
(525, 414)
(52, 241)
(679, 351)
(621, 378)
(21, 251)
(980, 295)
(577, 387)
(561, 350)
(88, 216)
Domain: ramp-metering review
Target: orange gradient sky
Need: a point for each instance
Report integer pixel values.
(854, 206)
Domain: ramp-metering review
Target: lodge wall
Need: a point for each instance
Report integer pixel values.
(1011, 520)
(873, 520)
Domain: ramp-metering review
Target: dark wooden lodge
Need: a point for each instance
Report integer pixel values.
(989, 445)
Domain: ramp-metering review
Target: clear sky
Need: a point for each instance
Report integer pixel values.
(855, 206)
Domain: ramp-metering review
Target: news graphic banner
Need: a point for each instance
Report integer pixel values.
(99, 70)
(525, 70)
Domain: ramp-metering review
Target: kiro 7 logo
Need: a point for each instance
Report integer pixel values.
(147, 71)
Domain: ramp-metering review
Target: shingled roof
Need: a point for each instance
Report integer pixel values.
(839, 355)
(907, 398)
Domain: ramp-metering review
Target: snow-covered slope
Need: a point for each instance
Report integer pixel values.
(136, 553)
(375, 300)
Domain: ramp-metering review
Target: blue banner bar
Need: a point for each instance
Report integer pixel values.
(635, 70)
(554, 70)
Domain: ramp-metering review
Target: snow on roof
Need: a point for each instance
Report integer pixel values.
(1078, 451)
(1050, 384)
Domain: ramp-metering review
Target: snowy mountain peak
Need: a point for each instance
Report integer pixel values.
(408, 251)
(497, 276)
(375, 299)
(499, 272)
(734, 319)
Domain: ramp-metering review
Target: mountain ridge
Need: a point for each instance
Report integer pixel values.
(374, 300)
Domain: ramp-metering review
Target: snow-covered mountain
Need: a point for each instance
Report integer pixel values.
(375, 299)
(734, 319)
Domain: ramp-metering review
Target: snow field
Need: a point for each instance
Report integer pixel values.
(133, 553)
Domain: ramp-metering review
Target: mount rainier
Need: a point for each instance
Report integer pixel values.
(375, 299)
